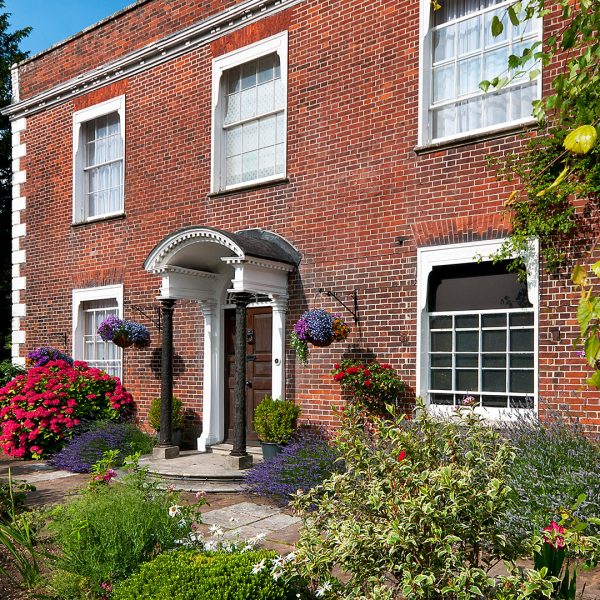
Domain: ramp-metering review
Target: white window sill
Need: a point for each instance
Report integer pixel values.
(490, 414)
(250, 185)
(476, 136)
(106, 217)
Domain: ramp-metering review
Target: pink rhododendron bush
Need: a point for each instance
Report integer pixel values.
(39, 409)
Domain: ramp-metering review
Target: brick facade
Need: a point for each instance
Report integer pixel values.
(357, 203)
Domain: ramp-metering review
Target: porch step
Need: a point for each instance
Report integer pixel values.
(194, 471)
(225, 449)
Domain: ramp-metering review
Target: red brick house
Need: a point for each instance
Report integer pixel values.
(187, 152)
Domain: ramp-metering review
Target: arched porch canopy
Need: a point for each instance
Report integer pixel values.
(194, 260)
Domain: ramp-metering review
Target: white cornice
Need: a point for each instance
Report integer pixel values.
(259, 262)
(184, 271)
(153, 54)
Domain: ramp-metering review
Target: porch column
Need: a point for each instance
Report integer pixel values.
(279, 304)
(241, 300)
(165, 447)
(211, 405)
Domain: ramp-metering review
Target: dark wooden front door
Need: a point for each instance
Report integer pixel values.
(258, 364)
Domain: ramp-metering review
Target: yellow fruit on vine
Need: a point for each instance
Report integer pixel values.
(581, 140)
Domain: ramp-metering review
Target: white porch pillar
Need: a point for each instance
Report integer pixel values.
(212, 407)
(279, 304)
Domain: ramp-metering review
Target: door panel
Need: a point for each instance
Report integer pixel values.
(258, 364)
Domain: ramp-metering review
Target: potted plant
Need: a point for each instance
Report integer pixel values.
(274, 423)
(124, 333)
(319, 328)
(176, 418)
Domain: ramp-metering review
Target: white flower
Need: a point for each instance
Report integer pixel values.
(321, 591)
(290, 557)
(257, 568)
(174, 510)
(276, 562)
(210, 546)
(276, 574)
(215, 530)
(246, 548)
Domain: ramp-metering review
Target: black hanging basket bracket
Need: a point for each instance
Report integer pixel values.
(353, 311)
(155, 320)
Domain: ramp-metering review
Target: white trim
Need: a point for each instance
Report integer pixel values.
(18, 233)
(114, 105)
(153, 54)
(463, 253)
(425, 139)
(81, 295)
(277, 43)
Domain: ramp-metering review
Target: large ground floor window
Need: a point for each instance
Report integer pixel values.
(478, 331)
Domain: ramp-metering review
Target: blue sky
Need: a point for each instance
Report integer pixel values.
(55, 20)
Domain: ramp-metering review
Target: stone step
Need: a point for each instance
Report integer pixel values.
(224, 449)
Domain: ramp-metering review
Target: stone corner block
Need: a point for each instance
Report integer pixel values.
(165, 452)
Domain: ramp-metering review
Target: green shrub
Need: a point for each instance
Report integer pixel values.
(176, 415)
(418, 512)
(9, 371)
(275, 420)
(107, 532)
(186, 574)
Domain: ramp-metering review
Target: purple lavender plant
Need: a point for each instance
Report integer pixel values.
(303, 464)
(40, 356)
(87, 448)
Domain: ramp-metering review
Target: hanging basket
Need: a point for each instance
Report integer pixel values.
(319, 343)
(122, 341)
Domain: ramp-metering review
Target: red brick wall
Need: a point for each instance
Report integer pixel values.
(355, 185)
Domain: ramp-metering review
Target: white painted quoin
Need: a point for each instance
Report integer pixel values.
(205, 264)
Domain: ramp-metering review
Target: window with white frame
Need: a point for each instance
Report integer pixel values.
(249, 115)
(478, 332)
(99, 156)
(458, 54)
(90, 308)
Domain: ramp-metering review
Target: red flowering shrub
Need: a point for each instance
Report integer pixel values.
(372, 386)
(39, 409)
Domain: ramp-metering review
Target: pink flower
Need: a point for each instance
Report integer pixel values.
(555, 539)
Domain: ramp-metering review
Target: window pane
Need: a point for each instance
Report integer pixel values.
(443, 83)
(266, 96)
(249, 75)
(521, 381)
(280, 128)
(493, 381)
(491, 40)
(441, 360)
(233, 80)
(441, 379)
(249, 165)
(467, 360)
(494, 401)
(248, 103)
(250, 136)
(440, 322)
(267, 136)
(497, 361)
(280, 158)
(443, 43)
(494, 341)
(467, 321)
(443, 122)
(232, 113)
(469, 75)
(444, 399)
(521, 361)
(494, 320)
(441, 342)
(266, 162)
(234, 170)
(469, 35)
(469, 115)
(466, 380)
(520, 319)
(495, 108)
(467, 341)
(521, 340)
(265, 68)
(233, 141)
(522, 101)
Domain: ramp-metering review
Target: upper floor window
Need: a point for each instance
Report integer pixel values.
(99, 152)
(249, 115)
(460, 52)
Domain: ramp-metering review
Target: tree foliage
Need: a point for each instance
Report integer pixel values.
(9, 55)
